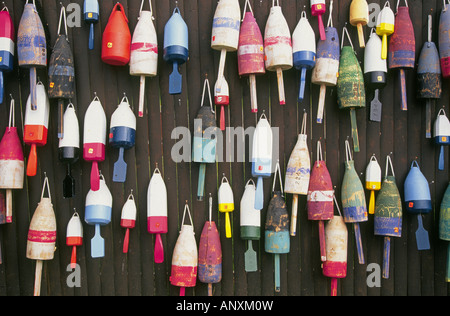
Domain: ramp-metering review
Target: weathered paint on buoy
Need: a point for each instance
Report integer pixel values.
(278, 46)
(385, 27)
(359, 17)
(388, 214)
(91, 13)
(7, 35)
(74, 237)
(444, 41)
(116, 40)
(373, 181)
(157, 212)
(251, 54)
(226, 203)
(442, 135)
(444, 227)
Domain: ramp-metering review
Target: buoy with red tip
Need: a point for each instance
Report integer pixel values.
(251, 53)
(320, 198)
(122, 135)
(185, 257)
(442, 135)
(250, 220)
(69, 148)
(444, 40)
(226, 203)
(373, 181)
(94, 139)
(222, 98)
(318, 8)
(41, 238)
(326, 70)
(128, 219)
(176, 48)
(12, 163)
(385, 27)
(298, 172)
(144, 51)
(278, 46)
(74, 237)
(116, 40)
(36, 126)
(210, 253)
(31, 46)
(304, 49)
(91, 13)
(261, 157)
(157, 212)
(336, 236)
(402, 49)
(225, 33)
(7, 48)
(98, 212)
(359, 17)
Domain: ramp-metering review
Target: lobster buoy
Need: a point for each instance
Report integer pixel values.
(41, 238)
(444, 227)
(116, 40)
(261, 157)
(250, 221)
(225, 32)
(61, 73)
(418, 201)
(304, 49)
(226, 203)
(7, 49)
(388, 214)
(373, 181)
(98, 212)
(336, 236)
(350, 86)
(74, 237)
(128, 219)
(122, 135)
(385, 27)
(277, 240)
(157, 212)
(69, 148)
(442, 135)
(319, 201)
(298, 173)
(318, 8)
(176, 48)
(429, 83)
(12, 163)
(444, 41)
(402, 49)
(278, 46)
(204, 144)
(36, 126)
(375, 72)
(210, 253)
(251, 54)
(185, 257)
(326, 71)
(31, 46)
(91, 12)
(222, 99)
(94, 139)
(144, 52)
(359, 17)
(353, 200)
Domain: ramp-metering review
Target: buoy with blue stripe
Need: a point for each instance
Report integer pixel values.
(261, 157)
(304, 49)
(98, 212)
(91, 13)
(225, 32)
(122, 135)
(94, 139)
(31, 46)
(176, 48)
(144, 51)
(6, 47)
(444, 227)
(74, 237)
(418, 201)
(442, 135)
(128, 219)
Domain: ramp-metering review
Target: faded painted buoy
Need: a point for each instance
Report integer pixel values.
(359, 17)
(444, 227)
(444, 41)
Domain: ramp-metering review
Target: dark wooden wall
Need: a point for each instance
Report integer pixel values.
(400, 133)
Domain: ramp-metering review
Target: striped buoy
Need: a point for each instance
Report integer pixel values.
(6, 47)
